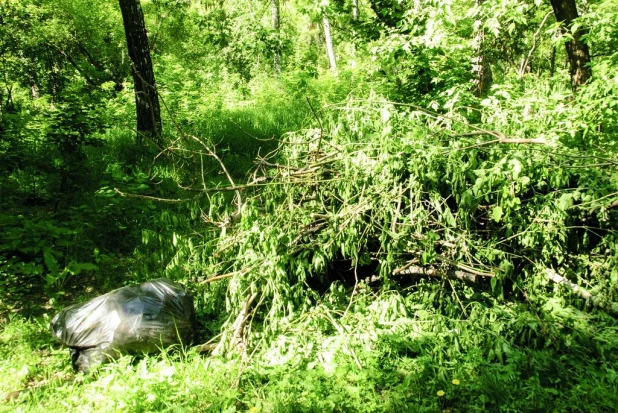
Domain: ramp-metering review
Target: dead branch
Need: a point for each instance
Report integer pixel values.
(201, 191)
(558, 279)
(263, 162)
(248, 134)
(213, 154)
(463, 267)
(541, 141)
(500, 137)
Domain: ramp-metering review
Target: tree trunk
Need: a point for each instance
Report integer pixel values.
(577, 51)
(481, 69)
(276, 22)
(329, 45)
(146, 98)
(355, 10)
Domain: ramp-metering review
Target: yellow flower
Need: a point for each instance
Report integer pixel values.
(440, 393)
(253, 409)
(455, 382)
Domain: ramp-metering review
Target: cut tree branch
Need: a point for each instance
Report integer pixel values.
(224, 276)
(595, 300)
(460, 275)
(501, 138)
(154, 198)
(238, 328)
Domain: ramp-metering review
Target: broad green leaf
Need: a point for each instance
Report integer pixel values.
(565, 201)
(496, 213)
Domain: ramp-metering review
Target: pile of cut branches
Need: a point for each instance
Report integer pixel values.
(381, 193)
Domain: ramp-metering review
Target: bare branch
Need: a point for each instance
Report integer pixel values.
(223, 168)
(524, 63)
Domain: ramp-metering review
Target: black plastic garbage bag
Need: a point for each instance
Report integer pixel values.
(136, 319)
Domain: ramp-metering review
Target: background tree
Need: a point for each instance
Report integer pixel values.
(481, 69)
(276, 25)
(576, 48)
(330, 48)
(146, 96)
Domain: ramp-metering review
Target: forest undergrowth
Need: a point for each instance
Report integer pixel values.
(388, 257)
(385, 235)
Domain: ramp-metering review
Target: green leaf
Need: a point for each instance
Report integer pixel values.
(50, 261)
(565, 202)
(496, 213)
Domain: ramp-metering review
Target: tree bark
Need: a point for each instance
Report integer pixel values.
(276, 22)
(577, 50)
(146, 97)
(329, 45)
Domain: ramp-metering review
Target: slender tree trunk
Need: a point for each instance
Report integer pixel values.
(276, 22)
(329, 45)
(146, 98)
(480, 64)
(577, 50)
(32, 77)
(355, 10)
(552, 56)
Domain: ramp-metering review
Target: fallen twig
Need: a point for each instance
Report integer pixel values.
(213, 154)
(209, 345)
